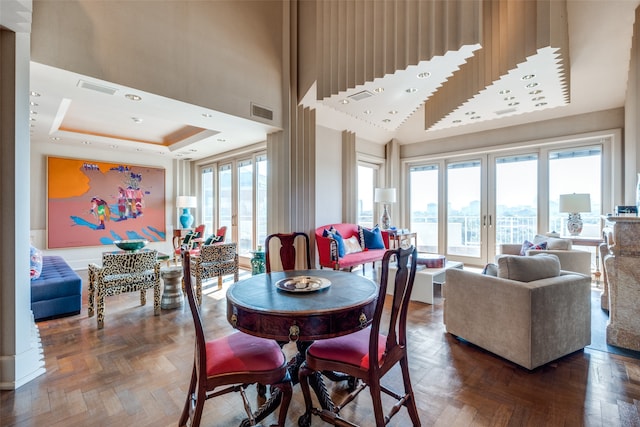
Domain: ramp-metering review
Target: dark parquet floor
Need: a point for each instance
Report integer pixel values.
(135, 372)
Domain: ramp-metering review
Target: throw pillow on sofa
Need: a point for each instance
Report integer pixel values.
(352, 245)
(36, 263)
(528, 268)
(553, 243)
(334, 234)
(527, 245)
(371, 238)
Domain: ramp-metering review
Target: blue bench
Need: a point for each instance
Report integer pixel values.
(58, 290)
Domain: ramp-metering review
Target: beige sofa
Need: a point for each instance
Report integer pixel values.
(570, 259)
(527, 322)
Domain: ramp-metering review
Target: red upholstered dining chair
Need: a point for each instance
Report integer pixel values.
(369, 353)
(191, 242)
(287, 251)
(230, 364)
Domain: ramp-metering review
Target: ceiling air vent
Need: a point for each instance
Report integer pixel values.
(262, 112)
(98, 88)
(360, 95)
(507, 111)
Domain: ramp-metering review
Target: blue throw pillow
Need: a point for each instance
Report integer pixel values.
(373, 238)
(335, 235)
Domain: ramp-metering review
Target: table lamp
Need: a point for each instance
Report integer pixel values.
(573, 204)
(184, 203)
(385, 196)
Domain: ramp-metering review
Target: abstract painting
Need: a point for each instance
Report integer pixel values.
(92, 203)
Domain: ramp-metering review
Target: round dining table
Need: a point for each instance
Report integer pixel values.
(305, 305)
(302, 306)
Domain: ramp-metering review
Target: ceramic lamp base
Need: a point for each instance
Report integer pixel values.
(186, 219)
(574, 224)
(385, 219)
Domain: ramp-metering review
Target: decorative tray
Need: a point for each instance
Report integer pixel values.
(303, 284)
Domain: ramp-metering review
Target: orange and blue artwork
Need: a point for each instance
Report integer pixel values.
(91, 203)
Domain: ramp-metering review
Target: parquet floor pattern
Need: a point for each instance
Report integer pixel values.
(135, 372)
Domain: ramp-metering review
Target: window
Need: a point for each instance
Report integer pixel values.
(576, 170)
(367, 181)
(424, 194)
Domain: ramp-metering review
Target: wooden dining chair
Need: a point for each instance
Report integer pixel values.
(230, 364)
(287, 251)
(369, 354)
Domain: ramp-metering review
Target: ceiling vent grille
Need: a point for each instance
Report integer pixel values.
(98, 88)
(507, 111)
(262, 112)
(360, 95)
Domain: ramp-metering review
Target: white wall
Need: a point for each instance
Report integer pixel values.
(79, 258)
(328, 176)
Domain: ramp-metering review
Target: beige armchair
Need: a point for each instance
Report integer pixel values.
(531, 313)
(570, 259)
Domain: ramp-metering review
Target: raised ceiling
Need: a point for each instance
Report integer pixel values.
(74, 109)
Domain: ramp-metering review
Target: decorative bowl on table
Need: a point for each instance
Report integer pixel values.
(131, 245)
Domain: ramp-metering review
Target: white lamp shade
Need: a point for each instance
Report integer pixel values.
(575, 203)
(186, 202)
(385, 195)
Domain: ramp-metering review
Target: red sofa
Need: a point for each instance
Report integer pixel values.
(327, 247)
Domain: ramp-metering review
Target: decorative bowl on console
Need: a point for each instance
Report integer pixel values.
(131, 245)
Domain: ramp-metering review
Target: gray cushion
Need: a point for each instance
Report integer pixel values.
(553, 243)
(528, 268)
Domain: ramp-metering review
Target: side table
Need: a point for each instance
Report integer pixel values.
(172, 293)
(398, 239)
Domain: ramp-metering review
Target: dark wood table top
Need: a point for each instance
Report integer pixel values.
(258, 307)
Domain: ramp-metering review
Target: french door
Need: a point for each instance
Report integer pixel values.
(236, 197)
(466, 207)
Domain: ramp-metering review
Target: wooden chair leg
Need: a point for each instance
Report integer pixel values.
(189, 404)
(303, 379)
(220, 282)
(156, 299)
(143, 296)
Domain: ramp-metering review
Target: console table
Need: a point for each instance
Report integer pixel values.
(622, 235)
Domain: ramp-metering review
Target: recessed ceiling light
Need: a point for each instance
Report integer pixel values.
(113, 146)
(393, 112)
(138, 149)
(532, 84)
(386, 120)
(367, 111)
(411, 90)
(379, 90)
(32, 93)
(133, 97)
(538, 98)
(222, 140)
(33, 112)
(475, 117)
(207, 115)
(528, 77)
(535, 92)
(344, 101)
(509, 98)
(470, 113)
(55, 138)
(193, 150)
(541, 104)
(424, 75)
(32, 119)
(33, 104)
(89, 143)
(457, 121)
(137, 119)
(513, 104)
(504, 91)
